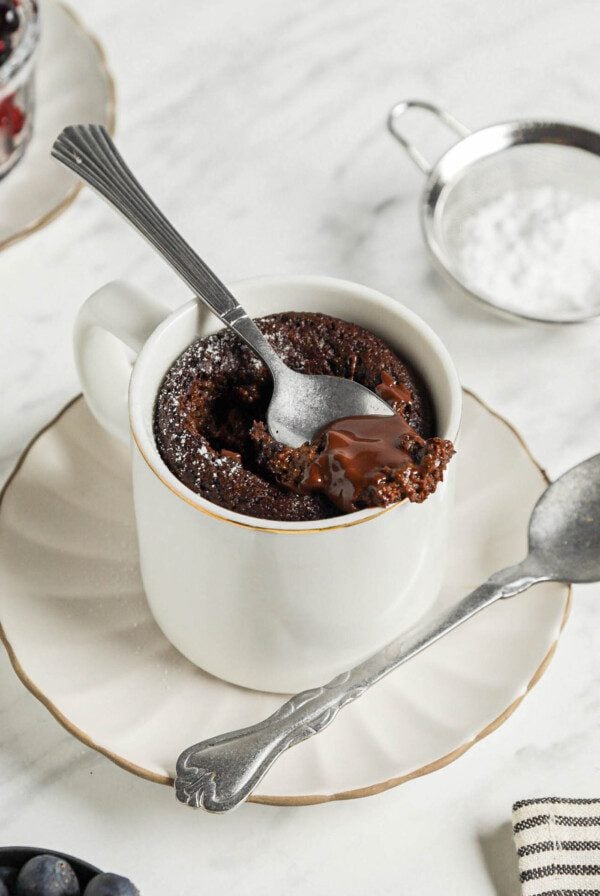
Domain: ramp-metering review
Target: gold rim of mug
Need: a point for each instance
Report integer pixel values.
(272, 530)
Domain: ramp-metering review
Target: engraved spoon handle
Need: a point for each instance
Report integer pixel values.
(89, 151)
(221, 772)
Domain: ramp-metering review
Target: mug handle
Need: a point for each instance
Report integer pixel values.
(110, 330)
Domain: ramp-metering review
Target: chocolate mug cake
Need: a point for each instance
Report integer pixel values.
(210, 428)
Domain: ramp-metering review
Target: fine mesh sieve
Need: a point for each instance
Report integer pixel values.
(485, 165)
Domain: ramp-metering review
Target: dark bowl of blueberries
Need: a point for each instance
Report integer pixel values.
(25, 871)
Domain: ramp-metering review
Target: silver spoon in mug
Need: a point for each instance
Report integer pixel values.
(564, 546)
(301, 404)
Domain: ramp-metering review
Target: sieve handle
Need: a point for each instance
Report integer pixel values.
(415, 154)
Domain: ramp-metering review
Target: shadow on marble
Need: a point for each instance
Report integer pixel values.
(463, 306)
(498, 851)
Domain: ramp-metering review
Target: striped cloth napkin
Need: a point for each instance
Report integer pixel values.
(558, 845)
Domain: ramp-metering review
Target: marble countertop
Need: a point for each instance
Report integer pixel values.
(260, 128)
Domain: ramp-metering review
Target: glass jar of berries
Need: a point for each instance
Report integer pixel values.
(19, 35)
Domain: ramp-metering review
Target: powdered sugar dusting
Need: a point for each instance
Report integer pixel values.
(535, 251)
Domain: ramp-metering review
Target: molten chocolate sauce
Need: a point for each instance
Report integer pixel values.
(359, 452)
(396, 395)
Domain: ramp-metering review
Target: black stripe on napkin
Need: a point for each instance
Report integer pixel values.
(566, 845)
(533, 848)
(546, 870)
(554, 800)
(564, 820)
(533, 822)
(579, 844)
(570, 893)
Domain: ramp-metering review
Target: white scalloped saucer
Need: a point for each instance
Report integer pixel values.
(80, 636)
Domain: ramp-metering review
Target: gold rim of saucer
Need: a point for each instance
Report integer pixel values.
(306, 799)
(111, 105)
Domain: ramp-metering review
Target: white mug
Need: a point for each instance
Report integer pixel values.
(276, 606)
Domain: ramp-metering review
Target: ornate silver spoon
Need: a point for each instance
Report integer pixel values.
(564, 546)
(301, 404)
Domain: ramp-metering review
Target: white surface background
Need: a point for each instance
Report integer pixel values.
(260, 129)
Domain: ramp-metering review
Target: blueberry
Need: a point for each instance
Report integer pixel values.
(47, 876)
(110, 885)
(3, 889)
(9, 18)
(8, 876)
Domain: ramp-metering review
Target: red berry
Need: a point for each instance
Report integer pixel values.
(18, 120)
(11, 117)
(5, 50)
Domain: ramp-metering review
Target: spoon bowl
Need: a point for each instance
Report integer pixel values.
(564, 529)
(303, 404)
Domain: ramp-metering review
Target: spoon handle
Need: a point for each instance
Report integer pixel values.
(89, 151)
(221, 772)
